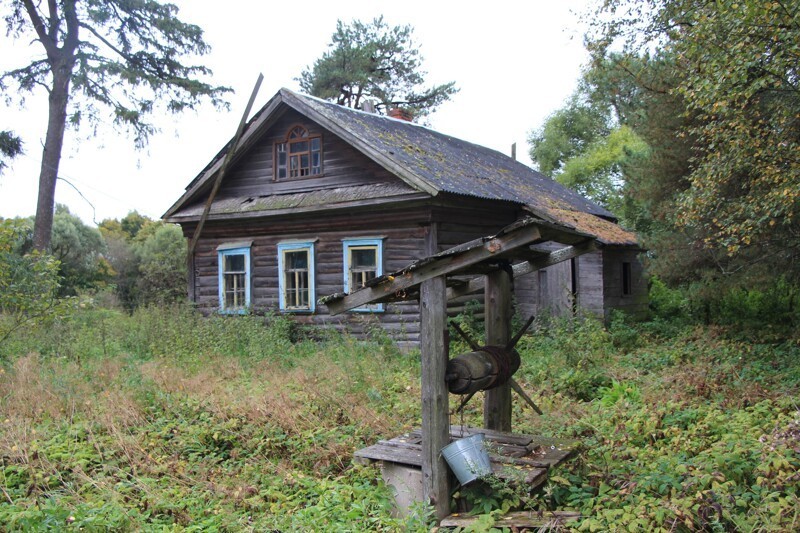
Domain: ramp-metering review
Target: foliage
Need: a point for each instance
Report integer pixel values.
(666, 302)
(162, 265)
(566, 133)
(80, 251)
(745, 187)
(735, 71)
(374, 61)
(125, 56)
(10, 147)
(148, 259)
(597, 171)
(29, 283)
(190, 423)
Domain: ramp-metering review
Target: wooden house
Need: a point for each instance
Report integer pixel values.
(319, 199)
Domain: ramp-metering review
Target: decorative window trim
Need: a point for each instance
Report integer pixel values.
(223, 251)
(347, 246)
(296, 246)
(288, 162)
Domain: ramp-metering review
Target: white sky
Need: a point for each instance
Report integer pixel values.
(515, 62)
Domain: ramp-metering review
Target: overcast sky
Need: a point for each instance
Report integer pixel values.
(515, 62)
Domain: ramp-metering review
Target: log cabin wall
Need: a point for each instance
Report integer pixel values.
(462, 219)
(403, 232)
(342, 164)
(624, 282)
(549, 291)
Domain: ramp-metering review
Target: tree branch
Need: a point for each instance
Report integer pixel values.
(71, 41)
(38, 25)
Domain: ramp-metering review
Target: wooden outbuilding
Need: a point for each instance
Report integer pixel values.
(320, 199)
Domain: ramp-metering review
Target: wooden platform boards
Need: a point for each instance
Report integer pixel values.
(548, 520)
(513, 456)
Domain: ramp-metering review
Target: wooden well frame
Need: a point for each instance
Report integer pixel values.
(494, 260)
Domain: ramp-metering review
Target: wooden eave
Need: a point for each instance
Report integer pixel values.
(266, 117)
(408, 199)
(476, 257)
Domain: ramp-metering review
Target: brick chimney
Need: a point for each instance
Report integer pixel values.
(400, 114)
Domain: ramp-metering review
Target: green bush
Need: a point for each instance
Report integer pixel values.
(584, 385)
(29, 285)
(667, 303)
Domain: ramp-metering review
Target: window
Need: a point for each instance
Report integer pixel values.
(363, 261)
(296, 276)
(627, 286)
(234, 277)
(299, 155)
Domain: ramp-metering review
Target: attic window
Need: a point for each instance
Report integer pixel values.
(299, 155)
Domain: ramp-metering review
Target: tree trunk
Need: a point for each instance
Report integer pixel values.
(51, 154)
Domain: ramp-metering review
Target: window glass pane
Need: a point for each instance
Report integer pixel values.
(296, 288)
(297, 260)
(363, 257)
(234, 280)
(304, 161)
(234, 263)
(234, 290)
(280, 164)
(315, 162)
(298, 147)
(359, 279)
(296, 277)
(315, 144)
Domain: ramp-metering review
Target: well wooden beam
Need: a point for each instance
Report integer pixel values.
(497, 311)
(435, 401)
(437, 267)
(555, 257)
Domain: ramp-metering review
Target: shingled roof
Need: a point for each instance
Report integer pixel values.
(432, 162)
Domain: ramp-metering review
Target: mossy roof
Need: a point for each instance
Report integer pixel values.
(431, 162)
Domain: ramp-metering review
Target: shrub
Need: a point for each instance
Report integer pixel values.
(29, 283)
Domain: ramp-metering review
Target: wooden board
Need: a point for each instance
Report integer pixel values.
(519, 519)
(435, 400)
(504, 448)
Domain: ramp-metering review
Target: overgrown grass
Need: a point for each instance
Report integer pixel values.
(166, 420)
(198, 424)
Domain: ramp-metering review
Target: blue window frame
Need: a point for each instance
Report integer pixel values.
(296, 276)
(363, 261)
(234, 277)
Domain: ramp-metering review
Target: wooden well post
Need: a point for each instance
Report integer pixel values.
(429, 276)
(497, 313)
(435, 399)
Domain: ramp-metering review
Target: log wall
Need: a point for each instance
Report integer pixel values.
(548, 292)
(342, 165)
(403, 232)
(634, 303)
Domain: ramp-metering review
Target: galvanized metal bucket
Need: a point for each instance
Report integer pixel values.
(468, 458)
